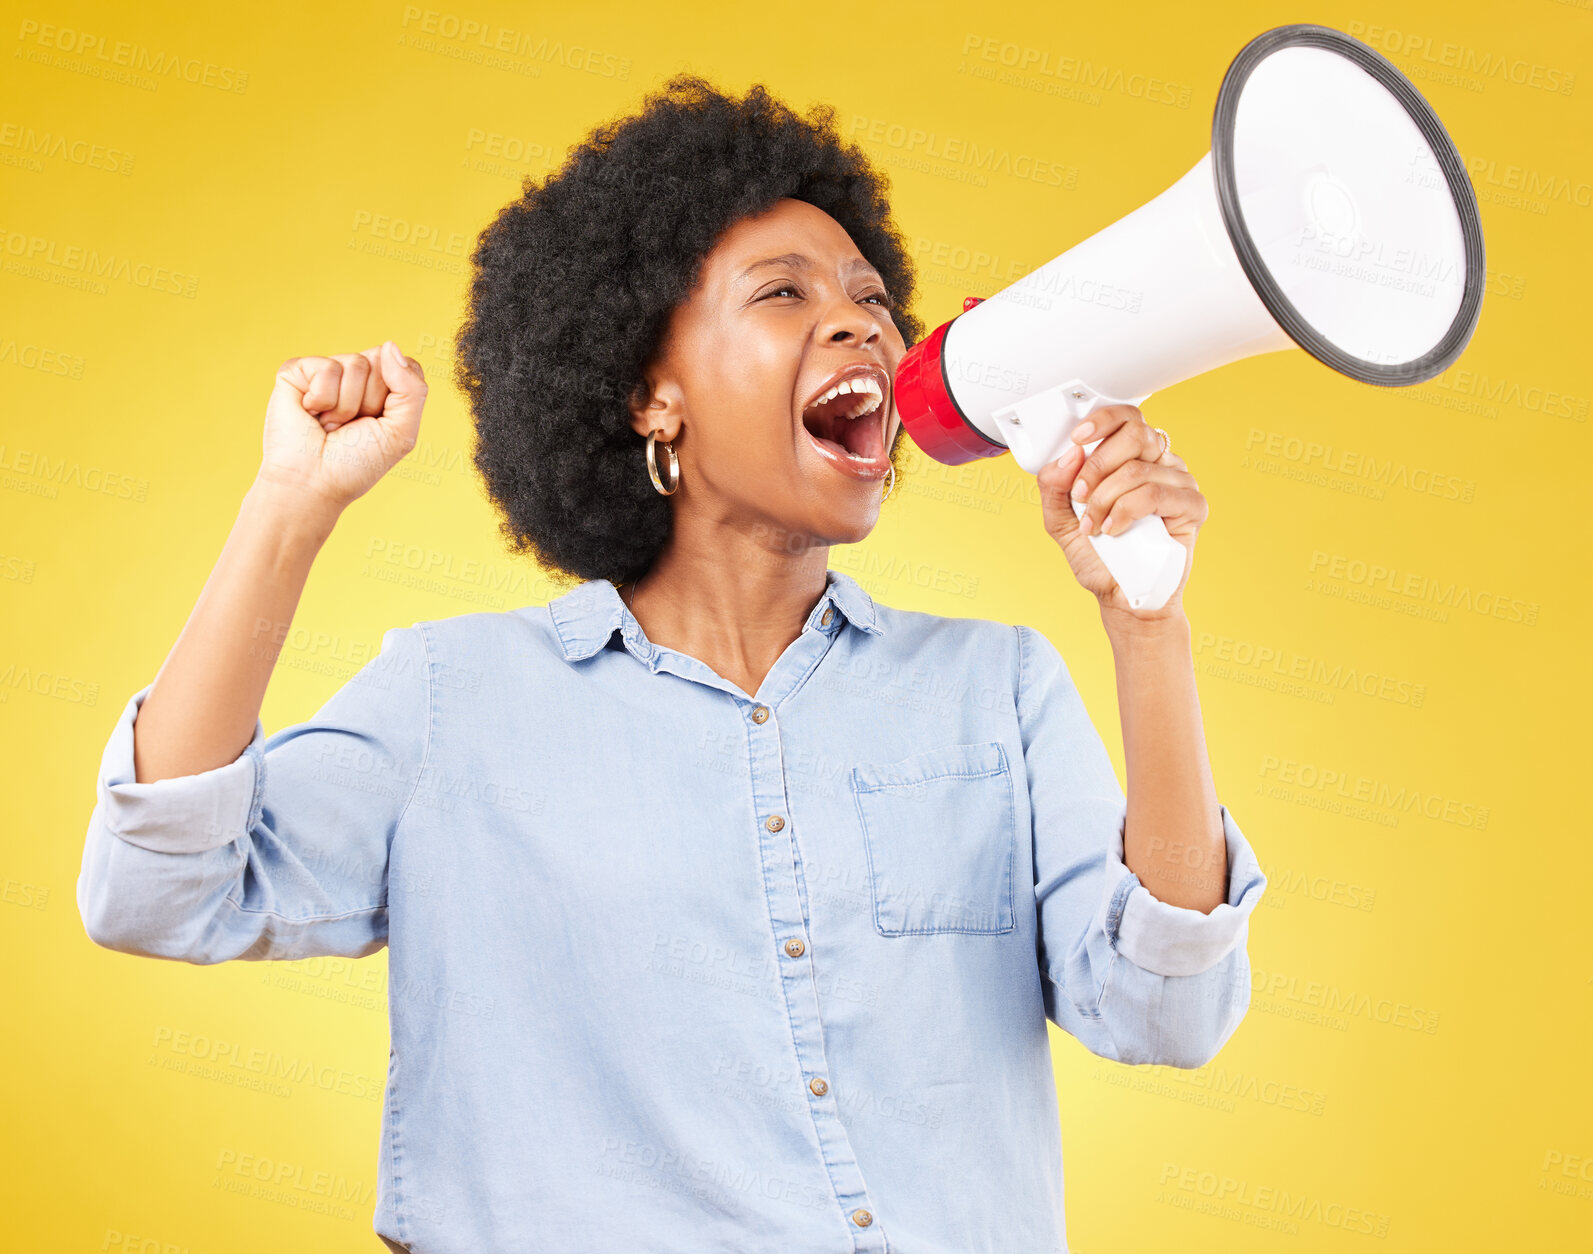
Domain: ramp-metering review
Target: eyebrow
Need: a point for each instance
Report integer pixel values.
(800, 262)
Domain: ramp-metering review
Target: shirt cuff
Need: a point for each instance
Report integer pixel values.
(183, 814)
(1176, 940)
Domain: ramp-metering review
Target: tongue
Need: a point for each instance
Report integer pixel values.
(839, 449)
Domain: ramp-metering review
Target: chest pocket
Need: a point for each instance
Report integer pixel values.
(939, 832)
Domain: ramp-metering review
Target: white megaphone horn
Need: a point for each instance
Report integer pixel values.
(1332, 213)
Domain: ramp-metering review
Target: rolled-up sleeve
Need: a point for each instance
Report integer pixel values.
(1135, 979)
(282, 853)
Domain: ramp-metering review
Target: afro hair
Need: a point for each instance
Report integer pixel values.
(573, 284)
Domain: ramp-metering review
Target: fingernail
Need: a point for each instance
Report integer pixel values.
(1081, 433)
(1106, 524)
(1079, 490)
(1084, 523)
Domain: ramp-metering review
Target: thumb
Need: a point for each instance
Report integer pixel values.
(407, 389)
(398, 371)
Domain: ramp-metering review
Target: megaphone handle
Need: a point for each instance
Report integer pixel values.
(1147, 563)
(1144, 559)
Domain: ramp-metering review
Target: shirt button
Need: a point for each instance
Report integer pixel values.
(862, 1218)
(761, 714)
(794, 947)
(825, 621)
(819, 1087)
(774, 822)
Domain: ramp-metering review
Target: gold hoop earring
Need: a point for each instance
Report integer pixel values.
(892, 488)
(652, 465)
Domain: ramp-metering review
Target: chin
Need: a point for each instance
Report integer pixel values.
(843, 502)
(846, 526)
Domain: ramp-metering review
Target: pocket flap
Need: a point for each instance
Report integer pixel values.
(945, 762)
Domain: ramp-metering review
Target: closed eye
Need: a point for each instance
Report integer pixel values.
(882, 298)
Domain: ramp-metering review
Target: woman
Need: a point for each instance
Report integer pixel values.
(726, 906)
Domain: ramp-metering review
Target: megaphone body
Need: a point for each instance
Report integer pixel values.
(1332, 213)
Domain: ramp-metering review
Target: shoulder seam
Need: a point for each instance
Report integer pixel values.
(425, 753)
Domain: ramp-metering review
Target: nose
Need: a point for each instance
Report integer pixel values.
(847, 322)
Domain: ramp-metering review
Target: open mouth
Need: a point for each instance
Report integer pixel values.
(847, 423)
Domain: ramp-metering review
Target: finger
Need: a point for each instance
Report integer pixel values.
(1056, 477)
(1158, 444)
(1175, 504)
(376, 388)
(1123, 445)
(321, 377)
(350, 389)
(1125, 479)
(1102, 422)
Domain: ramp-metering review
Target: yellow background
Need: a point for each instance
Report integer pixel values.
(132, 420)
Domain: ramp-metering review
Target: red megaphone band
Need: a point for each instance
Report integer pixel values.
(927, 409)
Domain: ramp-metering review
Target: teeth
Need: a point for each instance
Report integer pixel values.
(863, 383)
(869, 399)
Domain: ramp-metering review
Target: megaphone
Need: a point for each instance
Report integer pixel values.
(1332, 213)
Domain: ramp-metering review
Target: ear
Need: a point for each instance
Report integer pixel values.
(656, 406)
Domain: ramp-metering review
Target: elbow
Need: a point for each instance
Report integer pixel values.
(133, 900)
(109, 931)
(1204, 1011)
(123, 931)
(1178, 1021)
(1189, 1054)
(1184, 1050)
(137, 927)
(105, 921)
(109, 919)
(145, 942)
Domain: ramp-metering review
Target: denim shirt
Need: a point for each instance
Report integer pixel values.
(677, 968)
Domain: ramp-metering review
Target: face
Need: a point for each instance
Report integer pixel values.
(785, 306)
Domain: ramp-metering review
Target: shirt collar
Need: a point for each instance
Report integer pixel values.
(587, 616)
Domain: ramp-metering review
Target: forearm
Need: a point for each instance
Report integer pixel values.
(1173, 838)
(201, 710)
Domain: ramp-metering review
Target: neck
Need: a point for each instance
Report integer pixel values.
(734, 603)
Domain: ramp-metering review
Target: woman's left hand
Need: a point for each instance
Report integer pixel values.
(1127, 477)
